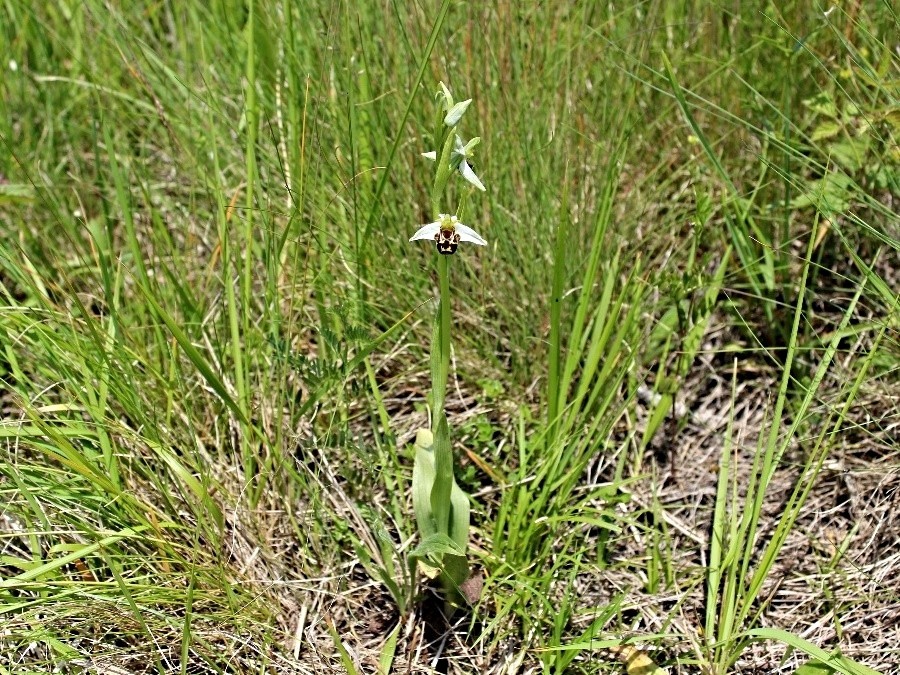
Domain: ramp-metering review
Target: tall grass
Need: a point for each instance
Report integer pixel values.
(213, 331)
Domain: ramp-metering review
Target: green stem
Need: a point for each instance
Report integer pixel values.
(442, 174)
(440, 385)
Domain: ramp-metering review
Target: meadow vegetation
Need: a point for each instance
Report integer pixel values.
(673, 392)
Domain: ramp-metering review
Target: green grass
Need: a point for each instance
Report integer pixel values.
(674, 366)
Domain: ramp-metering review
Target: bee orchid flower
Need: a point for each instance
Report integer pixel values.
(447, 233)
(462, 152)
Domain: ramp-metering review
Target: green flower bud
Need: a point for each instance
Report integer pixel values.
(456, 113)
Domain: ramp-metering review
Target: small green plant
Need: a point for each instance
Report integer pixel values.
(441, 507)
(741, 556)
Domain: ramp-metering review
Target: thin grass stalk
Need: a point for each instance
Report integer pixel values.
(578, 337)
(802, 489)
(374, 209)
(231, 304)
(718, 539)
(559, 273)
(738, 544)
(760, 275)
(188, 615)
(353, 157)
(769, 463)
(241, 375)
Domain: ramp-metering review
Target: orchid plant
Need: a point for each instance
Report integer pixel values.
(441, 507)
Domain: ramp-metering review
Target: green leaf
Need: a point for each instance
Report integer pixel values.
(346, 659)
(814, 667)
(443, 477)
(456, 567)
(829, 194)
(386, 658)
(822, 104)
(82, 552)
(422, 481)
(837, 662)
(445, 545)
(827, 129)
(435, 547)
(851, 153)
(892, 117)
(15, 192)
(459, 516)
(188, 479)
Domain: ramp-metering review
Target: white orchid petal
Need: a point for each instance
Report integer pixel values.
(470, 176)
(470, 146)
(427, 231)
(466, 233)
(432, 155)
(458, 154)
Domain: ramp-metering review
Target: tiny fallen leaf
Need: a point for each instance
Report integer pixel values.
(471, 588)
(636, 661)
(429, 571)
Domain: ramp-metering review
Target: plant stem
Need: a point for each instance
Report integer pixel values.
(442, 174)
(444, 335)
